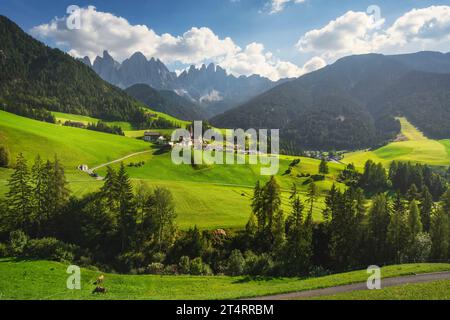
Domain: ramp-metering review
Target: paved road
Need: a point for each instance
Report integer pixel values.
(389, 282)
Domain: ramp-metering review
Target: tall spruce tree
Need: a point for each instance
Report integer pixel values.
(379, 219)
(397, 236)
(312, 194)
(39, 193)
(323, 167)
(19, 195)
(58, 187)
(126, 218)
(271, 198)
(414, 223)
(426, 208)
(343, 231)
(257, 206)
(439, 232)
(110, 188)
(298, 250)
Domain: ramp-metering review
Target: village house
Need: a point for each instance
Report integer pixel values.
(150, 136)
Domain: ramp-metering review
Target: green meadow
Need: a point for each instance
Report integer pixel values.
(126, 126)
(43, 280)
(414, 147)
(217, 196)
(209, 196)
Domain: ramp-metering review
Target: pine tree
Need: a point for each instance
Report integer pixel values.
(397, 236)
(59, 187)
(295, 219)
(251, 228)
(312, 195)
(257, 206)
(445, 201)
(414, 223)
(439, 232)
(344, 231)
(19, 196)
(379, 219)
(278, 231)
(330, 203)
(110, 188)
(323, 167)
(39, 193)
(413, 193)
(125, 206)
(271, 197)
(426, 208)
(298, 250)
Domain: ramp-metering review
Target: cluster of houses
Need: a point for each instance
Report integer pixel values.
(328, 156)
(197, 144)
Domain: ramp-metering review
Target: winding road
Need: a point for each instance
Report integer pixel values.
(121, 159)
(385, 283)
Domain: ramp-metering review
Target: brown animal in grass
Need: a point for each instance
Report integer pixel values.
(99, 290)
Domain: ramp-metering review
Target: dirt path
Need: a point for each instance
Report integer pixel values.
(121, 159)
(389, 282)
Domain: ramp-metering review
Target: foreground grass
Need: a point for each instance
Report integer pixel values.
(34, 280)
(417, 148)
(439, 290)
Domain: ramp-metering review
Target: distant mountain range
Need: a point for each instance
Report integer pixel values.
(352, 103)
(209, 86)
(167, 101)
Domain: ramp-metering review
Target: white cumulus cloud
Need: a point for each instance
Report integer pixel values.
(104, 31)
(358, 33)
(276, 6)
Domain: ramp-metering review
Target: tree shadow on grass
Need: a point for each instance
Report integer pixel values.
(248, 279)
(161, 150)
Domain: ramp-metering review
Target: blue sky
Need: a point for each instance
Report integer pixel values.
(245, 22)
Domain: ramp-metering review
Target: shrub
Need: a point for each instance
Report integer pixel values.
(236, 264)
(49, 249)
(185, 265)
(258, 265)
(318, 177)
(159, 257)
(420, 250)
(207, 271)
(171, 270)
(17, 242)
(3, 250)
(155, 268)
(196, 267)
(4, 157)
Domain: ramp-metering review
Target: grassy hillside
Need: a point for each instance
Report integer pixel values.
(127, 127)
(439, 290)
(414, 147)
(73, 146)
(47, 280)
(210, 197)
